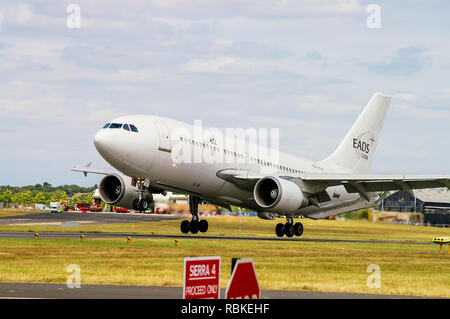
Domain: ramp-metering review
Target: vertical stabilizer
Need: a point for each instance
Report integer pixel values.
(355, 153)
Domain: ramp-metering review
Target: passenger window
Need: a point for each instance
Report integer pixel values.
(126, 127)
(115, 125)
(106, 125)
(134, 128)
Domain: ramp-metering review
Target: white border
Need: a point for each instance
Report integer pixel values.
(199, 258)
(242, 261)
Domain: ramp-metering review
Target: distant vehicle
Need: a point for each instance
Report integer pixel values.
(94, 207)
(54, 207)
(159, 210)
(120, 210)
(83, 207)
(41, 207)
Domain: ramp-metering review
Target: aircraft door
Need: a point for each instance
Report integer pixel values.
(165, 143)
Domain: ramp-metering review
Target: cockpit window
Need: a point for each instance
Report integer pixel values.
(134, 128)
(106, 125)
(126, 127)
(115, 125)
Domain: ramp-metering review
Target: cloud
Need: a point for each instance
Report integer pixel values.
(306, 66)
(303, 7)
(407, 97)
(405, 62)
(219, 64)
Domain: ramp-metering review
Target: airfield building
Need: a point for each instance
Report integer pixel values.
(434, 204)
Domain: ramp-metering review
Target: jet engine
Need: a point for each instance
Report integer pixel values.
(117, 190)
(279, 195)
(266, 215)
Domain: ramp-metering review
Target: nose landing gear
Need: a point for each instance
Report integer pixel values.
(289, 229)
(195, 225)
(141, 204)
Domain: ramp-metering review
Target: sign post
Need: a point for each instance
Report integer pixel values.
(243, 283)
(201, 279)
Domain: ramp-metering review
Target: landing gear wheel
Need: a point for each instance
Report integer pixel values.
(203, 226)
(143, 205)
(279, 230)
(136, 204)
(289, 229)
(193, 227)
(298, 229)
(185, 226)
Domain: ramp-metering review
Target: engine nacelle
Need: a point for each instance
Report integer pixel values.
(117, 190)
(266, 215)
(279, 195)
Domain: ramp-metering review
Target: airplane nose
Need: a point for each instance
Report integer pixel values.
(101, 141)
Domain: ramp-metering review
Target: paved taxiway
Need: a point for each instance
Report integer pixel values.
(58, 291)
(81, 218)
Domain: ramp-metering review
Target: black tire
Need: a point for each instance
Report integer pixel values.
(298, 229)
(203, 226)
(289, 230)
(143, 205)
(184, 227)
(193, 227)
(136, 204)
(279, 230)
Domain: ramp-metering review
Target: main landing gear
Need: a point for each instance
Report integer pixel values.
(195, 225)
(289, 229)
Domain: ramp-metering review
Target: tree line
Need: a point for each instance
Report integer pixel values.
(44, 194)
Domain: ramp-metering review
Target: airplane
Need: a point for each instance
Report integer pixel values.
(154, 155)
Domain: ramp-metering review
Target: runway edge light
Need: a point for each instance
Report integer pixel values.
(442, 241)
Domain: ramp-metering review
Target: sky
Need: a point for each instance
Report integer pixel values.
(307, 67)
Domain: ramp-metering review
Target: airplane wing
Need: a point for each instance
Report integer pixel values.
(239, 177)
(356, 183)
(353, 183)
(87, 169)
(375, 183)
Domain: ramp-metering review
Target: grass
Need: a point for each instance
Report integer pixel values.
(405, 269)
(418, 270)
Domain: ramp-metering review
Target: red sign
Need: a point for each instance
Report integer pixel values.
(201, 278)
(243, 282)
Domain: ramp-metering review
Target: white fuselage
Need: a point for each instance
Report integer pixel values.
(159, 152)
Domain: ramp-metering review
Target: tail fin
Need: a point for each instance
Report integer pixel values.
(356, 151)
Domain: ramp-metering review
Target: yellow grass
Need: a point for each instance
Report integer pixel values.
(342, 267)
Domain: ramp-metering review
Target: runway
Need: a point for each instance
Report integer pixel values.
(61, 291)
(69, 220)
(43, 235)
